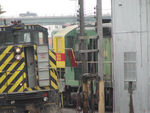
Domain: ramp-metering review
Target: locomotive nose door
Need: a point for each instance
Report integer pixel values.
(30, 66)
(43, 65)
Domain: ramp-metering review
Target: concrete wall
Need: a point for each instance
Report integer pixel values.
(131, 33)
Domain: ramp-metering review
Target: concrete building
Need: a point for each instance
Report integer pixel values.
(131, 40)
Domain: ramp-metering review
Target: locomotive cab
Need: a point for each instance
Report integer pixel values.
(26, 73)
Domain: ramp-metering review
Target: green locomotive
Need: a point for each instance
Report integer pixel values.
(66, 44)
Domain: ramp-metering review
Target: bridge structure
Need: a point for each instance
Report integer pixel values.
(59, 20)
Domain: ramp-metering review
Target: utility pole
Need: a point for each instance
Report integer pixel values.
(101, 103)
(83, 57)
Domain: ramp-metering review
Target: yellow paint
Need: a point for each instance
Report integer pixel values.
(54, 75)
(21, 89)
(59, 44)
(8, 71)
(15, 74)
(50, 62)
(6, 61)
(52, 55)
(35, 57)
(38, 88)
(25, 85)
(52, 65)
(48, 88)
(29, 89)
(13, 77)
(59, 47)
(5, 52)
(54, 85)
(2, 77)
(60, 64)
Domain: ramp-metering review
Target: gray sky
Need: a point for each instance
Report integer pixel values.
(50, 7)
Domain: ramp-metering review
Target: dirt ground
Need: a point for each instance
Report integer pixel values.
(69, 110)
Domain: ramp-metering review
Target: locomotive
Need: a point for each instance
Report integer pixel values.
(66, 44)
(28, 76)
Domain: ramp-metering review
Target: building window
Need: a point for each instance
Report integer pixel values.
(129, 68)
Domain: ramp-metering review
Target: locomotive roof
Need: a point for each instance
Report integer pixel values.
(22, 26)
(65, 31)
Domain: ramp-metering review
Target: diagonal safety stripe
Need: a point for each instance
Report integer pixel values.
(14, 66)
(52, 61)
(53, 75)
(10, 79)
(6, 62)
(9, 64)
(19, 87)
(52, 58)
(13, 79)
(54, 79)
(3, 79)
(4, 83)
(2, 50)
(9, 85)
(52, 54)
(54, 85)
(5, 51)
(5, 57)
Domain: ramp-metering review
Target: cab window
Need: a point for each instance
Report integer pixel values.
(41, 38)
(27, 37)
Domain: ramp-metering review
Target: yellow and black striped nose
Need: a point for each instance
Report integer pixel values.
(53, 72)
(13, 75)
(12, 70)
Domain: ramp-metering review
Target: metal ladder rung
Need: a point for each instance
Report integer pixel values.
(89, 51)
(87, 37)
(89, 62)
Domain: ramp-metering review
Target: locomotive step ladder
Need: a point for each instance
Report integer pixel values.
(91, 53)
(89, 62)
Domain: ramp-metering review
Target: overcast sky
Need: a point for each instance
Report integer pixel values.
(50, 7)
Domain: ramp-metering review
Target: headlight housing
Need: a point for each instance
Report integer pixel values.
(18, 57)
(18, 50)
